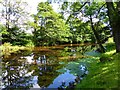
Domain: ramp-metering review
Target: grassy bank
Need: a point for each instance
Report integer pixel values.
(7, 48)
(103, 74)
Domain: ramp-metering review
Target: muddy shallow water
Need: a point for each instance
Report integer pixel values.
(41, 66)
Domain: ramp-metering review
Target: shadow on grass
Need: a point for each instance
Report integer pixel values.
(103, 75)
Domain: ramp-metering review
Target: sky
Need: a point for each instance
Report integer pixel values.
(32, 4)
(32, 7)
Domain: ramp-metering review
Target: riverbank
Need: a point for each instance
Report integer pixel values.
(100, 74)
(103, 74)
(7, 48)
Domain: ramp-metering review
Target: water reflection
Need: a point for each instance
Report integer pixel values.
(38, 68)
(15, 74)
(62, 80)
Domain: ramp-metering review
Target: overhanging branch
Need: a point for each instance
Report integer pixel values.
(78, 11)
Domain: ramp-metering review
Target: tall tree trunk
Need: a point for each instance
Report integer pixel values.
(114, 18)
(97, 36)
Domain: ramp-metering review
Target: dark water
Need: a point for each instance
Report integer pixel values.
(39, 67)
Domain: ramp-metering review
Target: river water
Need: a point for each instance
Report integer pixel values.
(40, 67)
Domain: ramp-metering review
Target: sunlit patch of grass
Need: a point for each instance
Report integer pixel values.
(102, 75)
(107, 56)
(105, 74)
(7, 48)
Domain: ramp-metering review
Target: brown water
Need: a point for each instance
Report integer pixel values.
(38, 67)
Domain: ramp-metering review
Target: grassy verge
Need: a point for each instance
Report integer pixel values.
(7, 48)
(103, 74)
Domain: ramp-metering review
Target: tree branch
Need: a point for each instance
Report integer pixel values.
(78, 11)
(100, 9)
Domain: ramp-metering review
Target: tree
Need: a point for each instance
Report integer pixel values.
(114, 18)
(14, 72)
(13, 16)
(90, 11)
(80, 30)
(49, 28)
(3, 31)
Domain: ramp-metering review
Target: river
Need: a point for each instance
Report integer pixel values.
(41, 67)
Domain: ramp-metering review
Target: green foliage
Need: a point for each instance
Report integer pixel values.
(102, 75)
(81, 31)
(14, 36)
(51, 28)
(3, 29)
(64, 6)
(7, 49)
(93, 8)
(12, 29)
(110, 47)
(75, 7)
(30, 43)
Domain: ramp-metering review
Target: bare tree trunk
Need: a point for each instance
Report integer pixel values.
(114, 18)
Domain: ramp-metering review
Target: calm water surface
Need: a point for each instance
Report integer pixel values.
(39, 67)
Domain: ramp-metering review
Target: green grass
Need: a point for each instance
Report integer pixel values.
(7, 48)
(103, 74)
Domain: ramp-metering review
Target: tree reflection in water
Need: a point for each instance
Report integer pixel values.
(45, 69)
(20, 71)
(15, 74)
(38, 67)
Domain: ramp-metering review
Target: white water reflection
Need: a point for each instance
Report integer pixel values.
(29, 59)
(35, 82)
